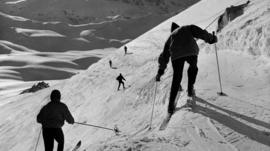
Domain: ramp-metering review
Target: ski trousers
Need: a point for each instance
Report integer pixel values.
(178, 66)
(51, 134)
(121, 83)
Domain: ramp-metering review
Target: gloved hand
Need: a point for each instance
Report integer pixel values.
(72, 122)
(159, 74)
(213, 39)
(158, 77)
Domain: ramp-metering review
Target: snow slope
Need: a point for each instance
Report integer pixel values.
(238, 121)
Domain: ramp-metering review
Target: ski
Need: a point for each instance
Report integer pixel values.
(140, 131)
(191, 103)
(78, 145)
(165, 122)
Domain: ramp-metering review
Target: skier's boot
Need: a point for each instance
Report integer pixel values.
(191, 91)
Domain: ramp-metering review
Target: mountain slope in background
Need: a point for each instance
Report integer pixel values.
(238, 121)
(85, 11)
(62, 34)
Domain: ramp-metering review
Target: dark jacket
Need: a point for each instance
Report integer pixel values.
(120, 78)
(54, 114)
(181, 43)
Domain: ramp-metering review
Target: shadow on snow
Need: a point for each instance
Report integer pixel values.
(229, 120)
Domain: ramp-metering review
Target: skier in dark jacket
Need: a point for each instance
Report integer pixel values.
(110, 62)
(181, 46)
(120, 79)
(125, 48)
(52, 117)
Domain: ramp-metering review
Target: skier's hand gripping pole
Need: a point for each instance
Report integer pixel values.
(159, 74)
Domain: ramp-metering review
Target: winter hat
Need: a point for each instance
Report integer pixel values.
(174, 26)
(55, 96)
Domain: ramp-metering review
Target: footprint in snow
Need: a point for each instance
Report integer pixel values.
(200, 132)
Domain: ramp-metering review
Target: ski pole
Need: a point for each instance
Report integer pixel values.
(116, 130)
(38, 139)
(211, 23)
(153, 107)
(219, 77)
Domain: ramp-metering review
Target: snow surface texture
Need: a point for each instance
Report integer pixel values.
(238, 121)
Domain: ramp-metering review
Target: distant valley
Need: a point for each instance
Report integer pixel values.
(55, 39)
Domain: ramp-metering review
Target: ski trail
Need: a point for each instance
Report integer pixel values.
(241, 124)
(206, 137)
(194, 131)
(200, 133)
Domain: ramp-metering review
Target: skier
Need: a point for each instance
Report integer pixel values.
(182, 47)
(125, 48)
(110, 62)
(120, 79)
(52, 117)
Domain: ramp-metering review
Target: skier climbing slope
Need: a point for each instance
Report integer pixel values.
(181, 47)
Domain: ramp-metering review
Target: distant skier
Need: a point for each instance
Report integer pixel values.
(120, 79)
(125, 48)
(52, 117)
(181, 47)
(110, 62)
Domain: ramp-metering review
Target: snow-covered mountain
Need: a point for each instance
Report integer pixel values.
(55, 39)
(238, 121)
(85, 11)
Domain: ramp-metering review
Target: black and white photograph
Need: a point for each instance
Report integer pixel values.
(134, 75)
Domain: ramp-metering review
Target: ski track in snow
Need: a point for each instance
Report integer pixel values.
(239, 122)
